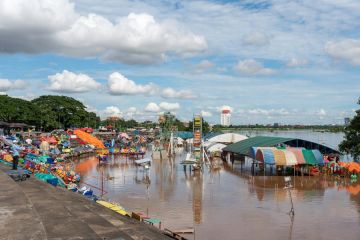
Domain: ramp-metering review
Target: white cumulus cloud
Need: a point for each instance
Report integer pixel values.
(120, 85)
(295, 62)
(348, 49)
(203, 66)
(6, 85)
(169, 106)
(171, 93)
(41, 26)
(256, 39)
(206, 113)
(322, 112)
(131, 110)
(112, 111)
(268, 112)
(152, 107)
(163, 106)
(69, 82)
(252, 67)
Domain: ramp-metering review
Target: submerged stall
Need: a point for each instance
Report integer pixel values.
(287, 156)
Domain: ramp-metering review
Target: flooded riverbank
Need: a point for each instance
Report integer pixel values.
(227, 203)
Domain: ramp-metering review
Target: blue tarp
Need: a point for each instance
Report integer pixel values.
(269, 157)
(184, 134)
(318, 157)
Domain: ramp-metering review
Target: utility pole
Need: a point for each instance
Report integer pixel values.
(288, 186)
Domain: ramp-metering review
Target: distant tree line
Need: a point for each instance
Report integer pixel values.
(47, 112)
(61, 112)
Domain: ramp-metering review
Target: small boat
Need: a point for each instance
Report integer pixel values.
(184, 231)
(189, 159)
(144, 162)
(173, 234)
(115, 207)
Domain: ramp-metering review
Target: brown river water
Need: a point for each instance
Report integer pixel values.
(228, 203)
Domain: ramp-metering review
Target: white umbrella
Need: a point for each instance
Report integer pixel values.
(217, 147)
(228, 138)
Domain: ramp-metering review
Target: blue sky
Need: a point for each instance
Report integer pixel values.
(294, 62)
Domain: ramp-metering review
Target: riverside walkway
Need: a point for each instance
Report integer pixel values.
(36, 210)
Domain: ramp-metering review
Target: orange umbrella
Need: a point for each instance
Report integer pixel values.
(88, 138)
(354, 167)
(343, 164)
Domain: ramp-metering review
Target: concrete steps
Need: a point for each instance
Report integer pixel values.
(36, 210)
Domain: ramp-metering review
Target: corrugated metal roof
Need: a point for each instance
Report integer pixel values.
(243, 147)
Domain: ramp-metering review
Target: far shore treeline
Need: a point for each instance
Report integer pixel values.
(61, 112)
(51, 112)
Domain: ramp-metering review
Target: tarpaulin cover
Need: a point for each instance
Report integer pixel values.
(298, 154)
(290, 157)
(318, 157)
(280, 158)
(309, 157)
(351, 166)
(88, 138)
(354, 167)
(265, 154)
(287, 156)
(51, 140)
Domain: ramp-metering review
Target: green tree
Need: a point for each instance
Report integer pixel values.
(18, 110)
(63, 112)
(351, 142)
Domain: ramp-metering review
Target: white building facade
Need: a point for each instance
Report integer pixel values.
(225, 118)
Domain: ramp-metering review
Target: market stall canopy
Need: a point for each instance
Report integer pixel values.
(287, 156)
(227, 138)
(6, 141)
(50, 139)
(216, 147)
(18, 125)
(244, 147)
(350, 166)
(184, 134)
(87, 129)
(88, 138)
(4, 124)
(179, 141)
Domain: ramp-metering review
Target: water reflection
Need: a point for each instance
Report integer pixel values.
(195, 182)
(226, 202)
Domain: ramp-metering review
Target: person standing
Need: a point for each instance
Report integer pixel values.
(16, 155)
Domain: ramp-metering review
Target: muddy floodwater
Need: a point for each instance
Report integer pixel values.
(228, 203)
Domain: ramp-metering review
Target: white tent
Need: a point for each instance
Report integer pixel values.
(208, 144)
(216, 147)
(179, 141)
(228, 138)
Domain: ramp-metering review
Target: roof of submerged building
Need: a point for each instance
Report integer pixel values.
(244, 147)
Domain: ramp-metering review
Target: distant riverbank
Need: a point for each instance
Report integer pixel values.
(335, 129)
